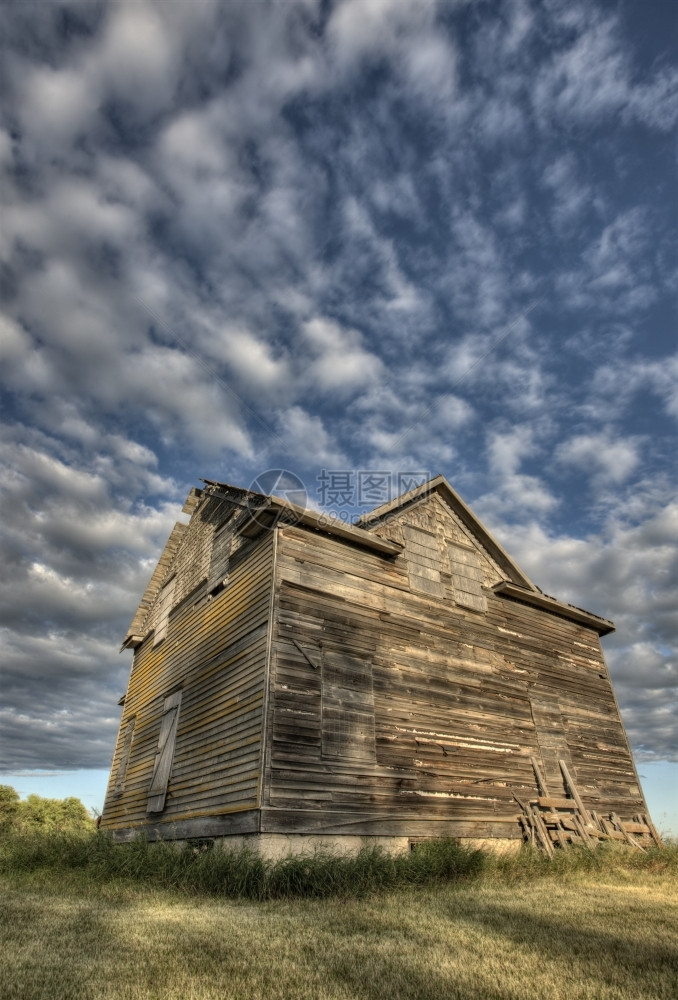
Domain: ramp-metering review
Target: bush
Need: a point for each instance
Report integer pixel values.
(9, 807)
(38, 813)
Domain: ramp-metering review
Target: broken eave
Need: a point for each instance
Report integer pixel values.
(268, 511)
(538, 600)
(131, 641)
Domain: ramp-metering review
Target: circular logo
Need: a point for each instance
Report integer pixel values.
(285, 485)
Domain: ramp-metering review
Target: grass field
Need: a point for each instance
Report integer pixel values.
(505, 932)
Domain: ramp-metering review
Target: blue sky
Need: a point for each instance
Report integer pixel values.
(370, 235)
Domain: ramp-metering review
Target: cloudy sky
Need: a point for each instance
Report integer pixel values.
(372, 235)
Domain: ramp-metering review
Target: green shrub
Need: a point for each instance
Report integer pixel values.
(40, 814)
(9, 807)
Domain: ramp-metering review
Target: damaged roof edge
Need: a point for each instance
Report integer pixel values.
(538, 600)
(360, 535)
(317, 520)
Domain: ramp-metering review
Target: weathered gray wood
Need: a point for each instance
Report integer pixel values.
(653, 830)
(619, 824)
(561, 835)
(422, 555)
(635, 827)
(221, 552)
(216, 652)
(312, 656)
(121, 772)
(581, 830)
(467, 576)
(165, 753)
(541, 783)
(542, 832)
(358, 822)
(165, 606)
(572, 789)
(234, 823)
(347, 707)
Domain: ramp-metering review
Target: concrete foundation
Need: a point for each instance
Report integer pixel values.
(281, 845)
(493, 844)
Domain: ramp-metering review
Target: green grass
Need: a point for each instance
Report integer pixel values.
(80, 859)
(92, 859)
(82, 919)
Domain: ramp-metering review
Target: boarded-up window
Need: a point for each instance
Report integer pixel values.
(423, 561)
(467, 576)
(347, 707)
(551, 733)
(165, 754)
(121, 773)
(165, 606)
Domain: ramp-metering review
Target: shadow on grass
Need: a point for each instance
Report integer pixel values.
(433, 945)
(467, 947)
(624, 953)
(503, 951)
(51, 958)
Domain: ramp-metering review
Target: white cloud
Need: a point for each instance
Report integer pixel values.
(193, 144)
(506, 451)
(308, 439)
(404, 33)
(51, 474)
(380, 258)
(217, 216)
(656, 103)
(14, 341)
(592, 78)
(132, 451)
(588, 78)
(182, 403)
(514, 494)
(58, 104)
(339, 361)
(5, 148)
(253, 360)
(477, 277)
(138, 55)
(616, 383)
(572, 195)
(603, 458)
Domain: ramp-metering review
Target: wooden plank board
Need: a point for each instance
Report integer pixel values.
(165, 754)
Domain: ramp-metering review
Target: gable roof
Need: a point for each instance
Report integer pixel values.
(518, 585)
(473, 523)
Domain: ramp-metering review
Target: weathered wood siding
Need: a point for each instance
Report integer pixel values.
(214, 653)
(461, 696)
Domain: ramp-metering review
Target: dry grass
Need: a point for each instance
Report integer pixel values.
(599, 935)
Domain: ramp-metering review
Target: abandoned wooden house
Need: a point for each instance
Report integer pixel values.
(296, 679)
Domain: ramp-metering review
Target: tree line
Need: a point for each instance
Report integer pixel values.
(37, 813)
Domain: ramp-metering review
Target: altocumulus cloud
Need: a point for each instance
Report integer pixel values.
(387, 236)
